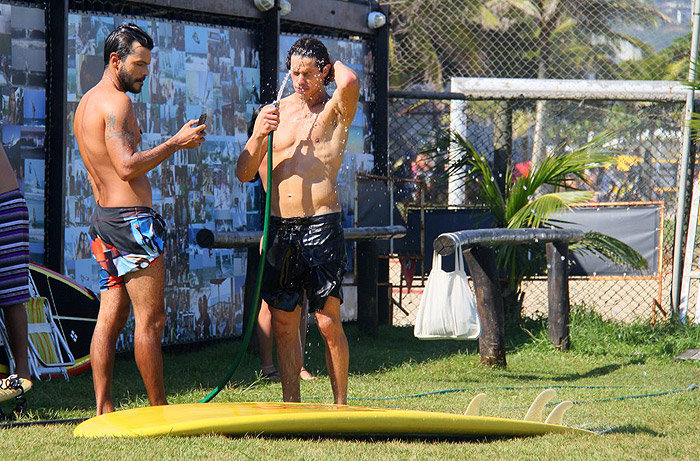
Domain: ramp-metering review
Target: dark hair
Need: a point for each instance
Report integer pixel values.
(308, 47)
(120, 40)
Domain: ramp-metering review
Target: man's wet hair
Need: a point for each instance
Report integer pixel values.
(122, 38)
(309, 47)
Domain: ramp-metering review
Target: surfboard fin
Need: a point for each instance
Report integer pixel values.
(557, 415)
(534, 413)
(475, 405)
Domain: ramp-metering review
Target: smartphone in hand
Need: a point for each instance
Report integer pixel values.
(202, 119)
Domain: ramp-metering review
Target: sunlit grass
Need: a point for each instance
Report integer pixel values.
(607, 361)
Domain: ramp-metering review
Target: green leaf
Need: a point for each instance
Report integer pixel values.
(537, 212)
(527, 7)
(607, 247)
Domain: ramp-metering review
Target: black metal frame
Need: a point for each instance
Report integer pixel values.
(56, 126)
(268, 24)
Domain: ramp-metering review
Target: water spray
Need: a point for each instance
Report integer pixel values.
(258, 284)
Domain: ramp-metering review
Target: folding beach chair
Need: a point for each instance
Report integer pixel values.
(49, 354)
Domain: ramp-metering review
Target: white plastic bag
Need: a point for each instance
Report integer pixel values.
(448, 306)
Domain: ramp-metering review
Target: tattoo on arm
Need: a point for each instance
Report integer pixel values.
(124, 133)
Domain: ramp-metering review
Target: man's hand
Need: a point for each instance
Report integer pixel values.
(267, 121)
(190, 135)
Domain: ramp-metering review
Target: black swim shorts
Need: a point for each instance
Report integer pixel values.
(306, 253)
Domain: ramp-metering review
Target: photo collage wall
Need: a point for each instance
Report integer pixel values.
(23, 109)
(193, 69)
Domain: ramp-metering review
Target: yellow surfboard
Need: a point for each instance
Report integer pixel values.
(259, 418)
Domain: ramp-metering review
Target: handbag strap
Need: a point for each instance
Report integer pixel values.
(459, 257)
(437, 260)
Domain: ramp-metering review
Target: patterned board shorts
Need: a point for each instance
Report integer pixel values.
(124, 240)
(14, 249)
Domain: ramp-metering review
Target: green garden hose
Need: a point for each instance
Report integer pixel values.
(258, 284)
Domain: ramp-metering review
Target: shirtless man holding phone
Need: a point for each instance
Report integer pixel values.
(127, 234)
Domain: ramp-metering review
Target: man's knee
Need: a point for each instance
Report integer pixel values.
(152, 321)
(329, 325)
(284, 323)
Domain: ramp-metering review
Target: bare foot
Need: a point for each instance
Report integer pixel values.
(305, 375)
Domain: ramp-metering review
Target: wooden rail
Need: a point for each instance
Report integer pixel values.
(208, 239)
(481, 259)
(367, 257)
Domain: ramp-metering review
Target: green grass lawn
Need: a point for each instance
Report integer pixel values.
(606, 361)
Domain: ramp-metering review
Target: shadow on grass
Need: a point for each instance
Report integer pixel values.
(627, 429)
(593, 373)
(198, 368)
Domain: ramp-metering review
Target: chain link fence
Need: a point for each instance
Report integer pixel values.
(433, 41)
(647, 142)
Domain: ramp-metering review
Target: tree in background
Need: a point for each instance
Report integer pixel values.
(578, 39)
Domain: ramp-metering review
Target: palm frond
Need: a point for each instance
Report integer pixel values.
(555, 169)
(536, 212)
(478, 170)
(607, 247)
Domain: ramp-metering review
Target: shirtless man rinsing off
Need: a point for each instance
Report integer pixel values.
(307, 251)
(127, 235)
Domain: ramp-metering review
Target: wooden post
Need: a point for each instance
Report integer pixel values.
(384, 305)
(489, 302)
(558, 293)
(367, 313)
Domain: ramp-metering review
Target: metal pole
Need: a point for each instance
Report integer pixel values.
(684, 166)
(381, 99)
(56, 127)
(456, 182)
(269, 52)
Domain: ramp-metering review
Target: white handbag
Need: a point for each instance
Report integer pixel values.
(448, 306)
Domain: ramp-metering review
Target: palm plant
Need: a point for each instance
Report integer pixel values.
(519, 205)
